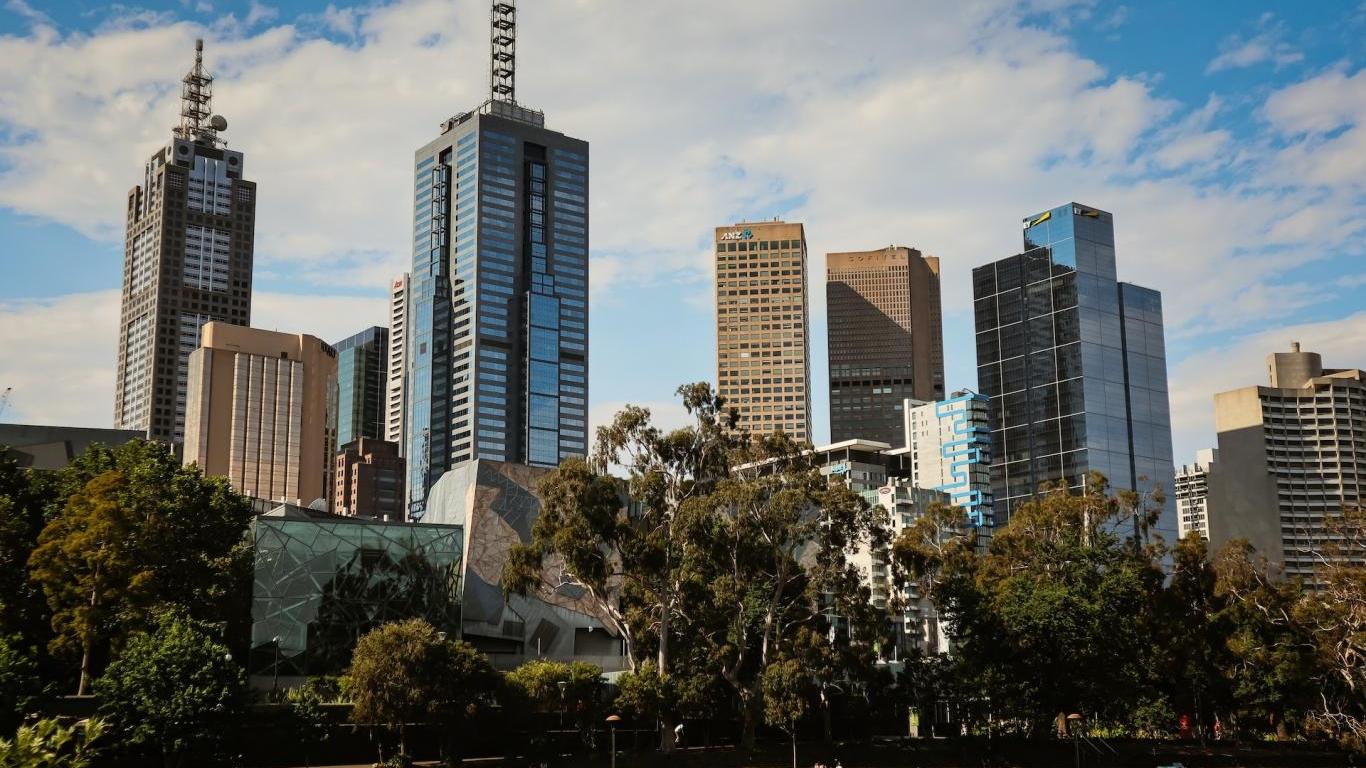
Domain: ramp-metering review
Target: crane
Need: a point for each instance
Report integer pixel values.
(4, 399)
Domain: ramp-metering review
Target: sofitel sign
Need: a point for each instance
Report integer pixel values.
(738, 234)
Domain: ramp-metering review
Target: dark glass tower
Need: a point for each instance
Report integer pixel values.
(362, 373)
(498, 334)
(1074, 364)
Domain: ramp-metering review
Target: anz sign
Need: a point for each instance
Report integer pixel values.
(738, 234)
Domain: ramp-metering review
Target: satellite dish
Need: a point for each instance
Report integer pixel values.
(218, 123)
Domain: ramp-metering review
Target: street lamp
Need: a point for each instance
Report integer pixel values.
(612, 721)
(563, 684)
(1074, 724)
(275, 686)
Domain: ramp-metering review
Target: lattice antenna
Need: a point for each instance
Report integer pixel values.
(503, 40)
(197, 122)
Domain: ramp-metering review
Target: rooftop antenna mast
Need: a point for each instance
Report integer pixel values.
(503, 39)
(197, 121)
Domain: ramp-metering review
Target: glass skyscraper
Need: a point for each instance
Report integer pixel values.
(1074, 364)
(362, 371)
(498, 332)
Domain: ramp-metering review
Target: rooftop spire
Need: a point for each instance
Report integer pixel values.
(197, 121)
(503, 40)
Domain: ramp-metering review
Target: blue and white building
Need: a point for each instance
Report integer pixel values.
(498, 333)
(948, 449)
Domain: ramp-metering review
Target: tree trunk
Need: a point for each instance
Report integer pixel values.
(403, 740)
(666, 735)
(794, 744)
(749, 719)
(827, 731)
(82, 688)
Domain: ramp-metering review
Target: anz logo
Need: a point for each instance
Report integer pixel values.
(738, 234)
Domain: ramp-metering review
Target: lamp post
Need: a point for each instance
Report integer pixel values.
(275, 668)
(1074, 724)
(562, 685)
(612, 721)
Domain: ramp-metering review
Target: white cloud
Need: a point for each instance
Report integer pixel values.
(1266, 45)
(1242, 363)
(893, 125)
(59, 354)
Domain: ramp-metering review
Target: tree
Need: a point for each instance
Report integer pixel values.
(1275, 670)
(407, 672)
(629, 563)
(20, 684)
(88, 565)
(785, 686)
(769, 554)
(1058, 614)
(1334, 619)
(24, 497)
(555, 686)
(143, 532)
(49, 744)
(175, 690)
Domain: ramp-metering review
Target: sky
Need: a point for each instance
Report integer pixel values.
(1227, 138)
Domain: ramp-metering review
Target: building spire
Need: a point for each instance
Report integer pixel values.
(503, 44)
(197, 121)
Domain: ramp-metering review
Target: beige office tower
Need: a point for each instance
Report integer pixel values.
(762, 352)
(262, 412)
(395, 393)
(1291, 456)
(885, 339)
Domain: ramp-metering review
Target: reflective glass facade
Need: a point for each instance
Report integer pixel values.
(321, 583)
(361, 378)
(498, 364)
(1074, 364)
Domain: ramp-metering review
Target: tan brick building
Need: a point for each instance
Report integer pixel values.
(763, 362)
(370, 480)
(262, 412)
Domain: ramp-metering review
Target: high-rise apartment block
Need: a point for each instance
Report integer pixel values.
(1291, 456)
(396, 385)
(948, 448)
(187, 261)
(885, 339)
(369, 477)
(498, 330)
(362, 375)
(1192, 494)
(263, 412)
(763, 365)
(1074, 364)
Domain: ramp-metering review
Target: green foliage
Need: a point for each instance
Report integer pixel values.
(174, 690)
(537, 682)
(49, 744)
(645, 693)
(130, 529)
(407, 672)
(24, 499)
(20, 684)
(786, 687)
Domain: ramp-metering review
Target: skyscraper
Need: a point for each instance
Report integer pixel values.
(763, 362)
(498, 330)
(362, 375)
(885, 339)
(1291, 456)
(396, 387)
(1074, 364)
(1192, 493)
(263, 412)
(187, 260)
(948, 445)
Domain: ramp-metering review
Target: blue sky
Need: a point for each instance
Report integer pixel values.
(1228, 139)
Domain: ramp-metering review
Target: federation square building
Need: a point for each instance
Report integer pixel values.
(498, 331)
(1074, 365)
